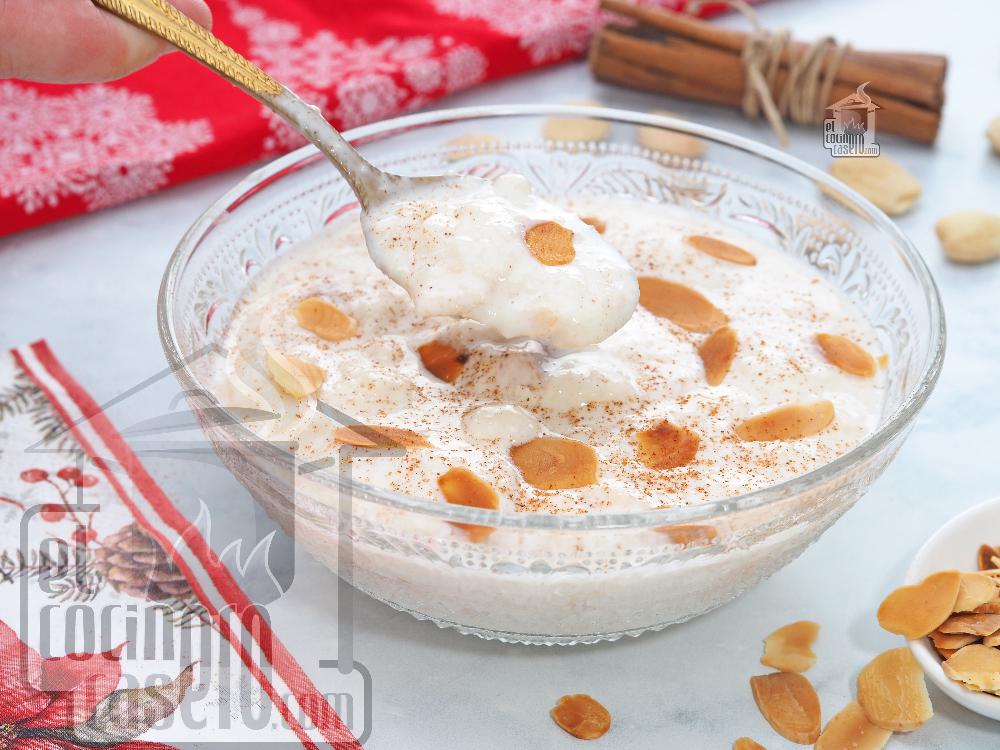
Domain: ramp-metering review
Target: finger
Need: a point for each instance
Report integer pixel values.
(73, 41)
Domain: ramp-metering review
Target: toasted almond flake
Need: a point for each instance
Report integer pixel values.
(851, 730)
(971, 623)
(985, 556)
(599, 224)
(581, 716)
(680, 304)
(974, 591)
(790, 705)
(667, 446)
(892, 692)
(470, 144)
(717, 353)
(462, 487)
(555, 463)
(977, 666)
(992, 640)
(917, 610)
(550, 243)
(442, 360)
(883, 361)
(745, 743)
(791, 422)
(689, 534)
(789, 648)
(721, 249)
(325, 319)
(378, 436)
(951, 640)
(990, 608)
(848, 356)
(294, 376)
(945, 653)
(577, 129)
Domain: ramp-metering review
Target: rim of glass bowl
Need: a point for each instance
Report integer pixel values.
(303, 157)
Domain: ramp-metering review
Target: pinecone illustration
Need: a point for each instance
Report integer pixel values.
(134, 563)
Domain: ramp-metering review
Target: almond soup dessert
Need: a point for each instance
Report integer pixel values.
(739, 368)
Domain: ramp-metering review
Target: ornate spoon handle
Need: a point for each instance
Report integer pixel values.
(161, 18)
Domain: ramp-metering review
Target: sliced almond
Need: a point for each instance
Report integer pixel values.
(977, 666)
(599, 224)
(550, 243)
(945, 653)
(582, 716)
(974, 591)
(577, 129)
(745, 743)
(378, 436)
(680, 304)
(883, 361)
(850, 357)
(791, 422)
(990, 608)
(717, 353)
(790, 705)
(971, 623)
(325, 319)
(851, 730)
(470, 144)
(917, 610)
(892, 692)
(789, 648)
(721, 249)
(294, 376)
(667, 446)
(689, 534)
(955, 641)
(442, 360)
(555, 463)
(462, 487)
(992, 640)
(985, 556)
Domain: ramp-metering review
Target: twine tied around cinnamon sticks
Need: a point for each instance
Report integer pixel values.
(810, 78)
(766, 72)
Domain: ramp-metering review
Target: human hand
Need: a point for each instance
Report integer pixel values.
(74, 41)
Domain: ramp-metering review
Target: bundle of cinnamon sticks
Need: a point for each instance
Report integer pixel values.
(676, 54)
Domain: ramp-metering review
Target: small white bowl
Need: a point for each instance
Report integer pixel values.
(954, 546)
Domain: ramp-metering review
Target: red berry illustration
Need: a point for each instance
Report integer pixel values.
(68, 473)
(52, 512)
(85, 480)
(82, 536)
(34, 475)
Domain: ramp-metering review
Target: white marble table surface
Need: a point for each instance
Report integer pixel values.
(92, 280)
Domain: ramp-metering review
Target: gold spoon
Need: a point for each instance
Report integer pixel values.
(159, 17)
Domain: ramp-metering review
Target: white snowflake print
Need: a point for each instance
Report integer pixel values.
(100, 143)
(353, 81)
(546, 29)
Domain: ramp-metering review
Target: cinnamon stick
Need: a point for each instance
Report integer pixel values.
(679, 55)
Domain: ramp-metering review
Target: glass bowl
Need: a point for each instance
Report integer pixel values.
(555, 579)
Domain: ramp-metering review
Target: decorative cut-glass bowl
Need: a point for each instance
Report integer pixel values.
(556, 579)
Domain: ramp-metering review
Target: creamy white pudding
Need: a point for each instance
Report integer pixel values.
(493, 252)
(632, 422)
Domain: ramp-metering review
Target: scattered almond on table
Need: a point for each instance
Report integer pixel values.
(789, 649)
(881, 180)
(669, 141)
(469, 144)
(581, 716)
(969, 236)
(577, 129)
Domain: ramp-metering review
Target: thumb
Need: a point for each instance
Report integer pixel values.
(74, 41)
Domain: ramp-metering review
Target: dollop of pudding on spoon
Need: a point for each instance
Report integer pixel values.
(493, 252)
